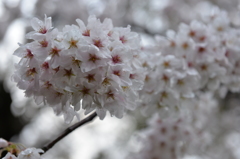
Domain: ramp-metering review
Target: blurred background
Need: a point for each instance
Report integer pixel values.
(23, 121)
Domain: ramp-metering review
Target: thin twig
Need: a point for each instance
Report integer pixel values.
(141, 29)
(68, 131)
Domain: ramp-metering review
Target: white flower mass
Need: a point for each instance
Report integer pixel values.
(89, 66)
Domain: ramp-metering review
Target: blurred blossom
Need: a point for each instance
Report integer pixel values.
(11, 3)
(2, 9)
(28, 7)
(96, 7)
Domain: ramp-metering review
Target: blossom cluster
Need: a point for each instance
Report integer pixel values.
(168, 138)
(93, 66)
(17, 151)
(201, 56)
(185, 71)
(188, 133)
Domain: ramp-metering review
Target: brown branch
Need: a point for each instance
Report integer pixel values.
(68, 131)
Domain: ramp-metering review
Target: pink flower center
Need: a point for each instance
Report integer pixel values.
(117, 73)
(56, 69)
(123, 39)
(110, 94)
(86, 33)
(93, 58)
(44, 43)
(85, 91)
(132, 76)
(45, 65)
(97, 43)
(31, 72)
(201, 49)
(73, 43)
(47, 84)
(165, 78)
(69, 73)
(29, 54)
(43, 30)
(116, 59)
(55, 51)
(90, 78)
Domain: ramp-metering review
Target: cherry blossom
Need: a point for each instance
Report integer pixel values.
(30, 153)
(10, 156)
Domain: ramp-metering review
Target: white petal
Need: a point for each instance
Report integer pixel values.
(36, 24)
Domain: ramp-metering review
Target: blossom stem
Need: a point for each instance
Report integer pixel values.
(68, 131)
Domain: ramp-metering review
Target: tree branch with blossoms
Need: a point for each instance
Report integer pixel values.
(68, 131)
(93, 67)
(101, 68)
(19, 150)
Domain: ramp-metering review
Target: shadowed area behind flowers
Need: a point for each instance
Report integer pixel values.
(9, 124)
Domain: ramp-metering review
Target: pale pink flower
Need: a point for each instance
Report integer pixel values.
(91, 59)
(128, 38)
(10, 156)
(3, 143)
(40, 27)
(30, 153)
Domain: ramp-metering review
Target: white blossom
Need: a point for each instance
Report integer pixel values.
(9, 156)
(30, 153)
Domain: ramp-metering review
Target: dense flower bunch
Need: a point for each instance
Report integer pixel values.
(201, 56)
(192, 66)
(17, 151)
(93, 65)
(210, 47)
(168, 81)
(169, 138)
(196, 132)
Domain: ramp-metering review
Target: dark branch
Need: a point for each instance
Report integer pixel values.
(141, 29)
(68, 131)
